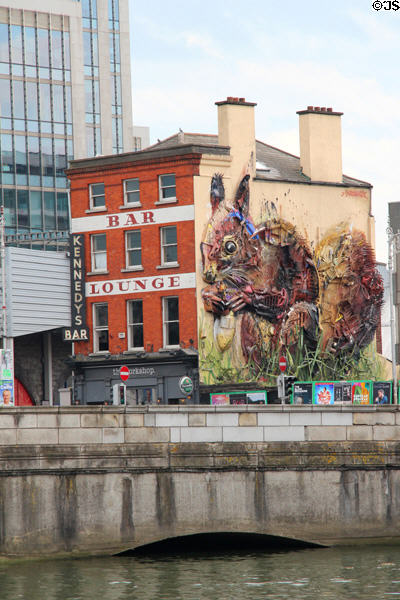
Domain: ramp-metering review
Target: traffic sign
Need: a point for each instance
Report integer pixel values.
(124, 373)
(282, 364)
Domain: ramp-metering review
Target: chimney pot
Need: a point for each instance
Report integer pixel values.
(235, 99)
(229, 98)
(329, 109)
(323, 108)
(310, 108)
(317, 108)
(242, 99)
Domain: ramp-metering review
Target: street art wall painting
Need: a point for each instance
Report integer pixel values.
(267, 292)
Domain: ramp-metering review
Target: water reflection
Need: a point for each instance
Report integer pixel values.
(365, 573)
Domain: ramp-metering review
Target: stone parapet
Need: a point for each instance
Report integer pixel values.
(184, 424)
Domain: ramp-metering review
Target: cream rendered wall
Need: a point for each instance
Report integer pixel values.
(314, 209)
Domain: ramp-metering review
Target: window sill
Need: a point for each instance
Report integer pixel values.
(134, 351)
(98, 273)
(168, 348)
(169, 201)
(126, 206)
(96, 210)
(132, 269)
(100, 353)
(168, 266)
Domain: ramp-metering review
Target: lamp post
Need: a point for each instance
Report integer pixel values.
(3, 279)
(393, 249)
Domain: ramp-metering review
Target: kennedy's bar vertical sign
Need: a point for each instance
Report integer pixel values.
(78, 331)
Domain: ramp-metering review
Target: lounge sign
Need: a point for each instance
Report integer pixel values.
(78, 331)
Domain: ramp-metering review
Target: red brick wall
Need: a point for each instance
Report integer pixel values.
(184, 168)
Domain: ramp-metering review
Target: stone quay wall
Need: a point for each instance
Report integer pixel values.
(77, 481)
(184, 424)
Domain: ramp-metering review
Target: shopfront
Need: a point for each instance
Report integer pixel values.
(151, 380)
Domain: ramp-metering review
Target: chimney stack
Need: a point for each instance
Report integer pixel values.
(236, 129)
(321, 143)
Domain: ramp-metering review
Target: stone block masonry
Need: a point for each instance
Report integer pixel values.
(196, 424)
(326, 475)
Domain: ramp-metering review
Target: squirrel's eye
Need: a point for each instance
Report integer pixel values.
(230, 247)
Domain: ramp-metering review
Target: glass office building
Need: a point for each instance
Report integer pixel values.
(65, 92)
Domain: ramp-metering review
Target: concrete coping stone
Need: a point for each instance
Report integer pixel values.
(197, 408)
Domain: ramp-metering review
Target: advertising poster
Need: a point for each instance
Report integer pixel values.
(324, 392)
(382, 392)
(6, 393)
(6, 366)
(236, 398)
(256, 397)
(360, 392)
(302, 392)
(342, 392)
(219, 398)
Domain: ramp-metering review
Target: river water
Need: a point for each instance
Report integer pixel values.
(359, 573)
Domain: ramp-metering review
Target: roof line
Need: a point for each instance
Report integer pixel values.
(184, 133)
(359, 180)
(166, 139)
(279, 149)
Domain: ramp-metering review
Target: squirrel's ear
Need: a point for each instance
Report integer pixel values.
(242, 196)
(217, 191)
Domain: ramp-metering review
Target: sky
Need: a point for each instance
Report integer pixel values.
(285, 56)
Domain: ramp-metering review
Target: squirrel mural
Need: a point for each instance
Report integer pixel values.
(265, 284)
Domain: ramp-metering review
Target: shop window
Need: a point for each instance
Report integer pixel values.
(135, 324)
(100, 327)
(133, 248)
(131, 192)
(169, 246)
(97, 195)
(99, 252)
(171, 321)
(167, 188)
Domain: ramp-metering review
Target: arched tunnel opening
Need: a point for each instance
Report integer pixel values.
(214, 543)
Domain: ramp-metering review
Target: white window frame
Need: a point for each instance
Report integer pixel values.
(165, 322)
(165, 245)
(131, 325)
(94, 253)
(129, 267)
(99, 328)
(93, 196)
(161, 187)
(126, 192)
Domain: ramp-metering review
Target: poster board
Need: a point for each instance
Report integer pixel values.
(302, 392)
(237, 398)
(325, 393)
(361, 392)
(7, 393)
(382, 392)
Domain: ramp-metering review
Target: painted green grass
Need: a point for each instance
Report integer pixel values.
(304, 363)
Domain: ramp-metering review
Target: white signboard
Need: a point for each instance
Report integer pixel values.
(134, 218)
(138, 285)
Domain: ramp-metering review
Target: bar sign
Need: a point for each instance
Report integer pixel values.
(78, 330)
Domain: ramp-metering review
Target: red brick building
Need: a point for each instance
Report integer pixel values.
(135, 213)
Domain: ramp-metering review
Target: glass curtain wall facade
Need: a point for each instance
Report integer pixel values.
(39, 130)
(36, 139)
